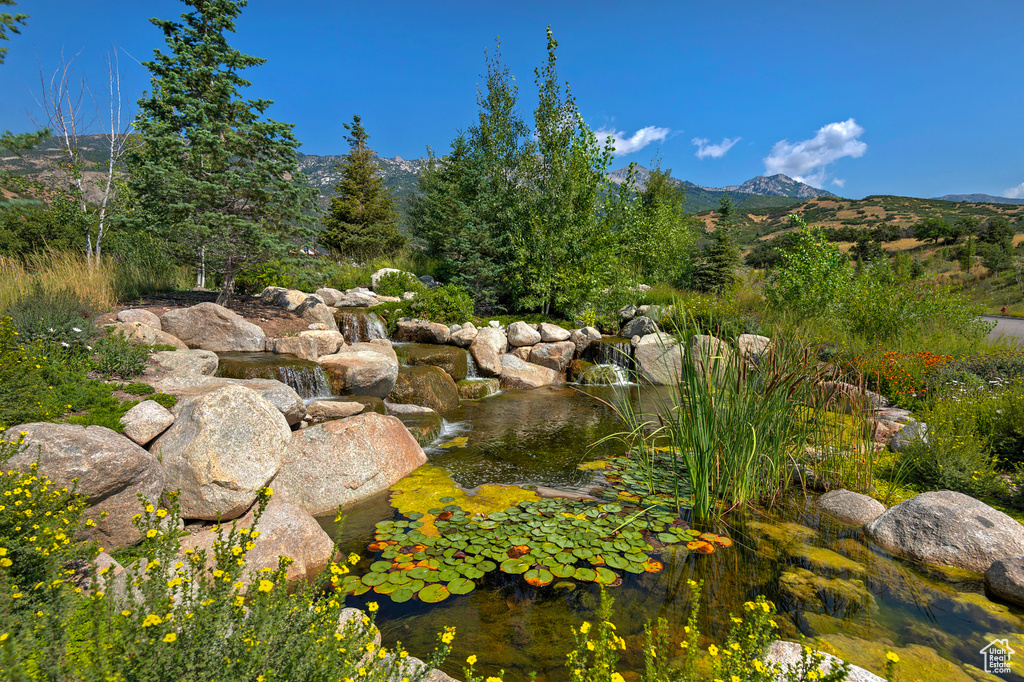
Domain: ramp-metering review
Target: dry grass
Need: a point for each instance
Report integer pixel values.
(54, 271)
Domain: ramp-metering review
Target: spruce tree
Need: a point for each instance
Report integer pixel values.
(363, 222)
(214, 177)
(718, 270)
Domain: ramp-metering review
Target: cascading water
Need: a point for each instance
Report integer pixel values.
(306, 377)
(360, 327)
(612, 350)
(471, 372)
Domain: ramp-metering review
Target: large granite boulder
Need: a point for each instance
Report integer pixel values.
(850, 507)
(362, 368)
(454, 361)
(584, 337)
(911, 432)
(328, 295)
(947, 528)
(285, 529)
(1004, 579)
(487, 348)
(185, 362)
(344, 461)
(639, 326)
(552, 333)
(659, 359)
(375, 277)
(302, 347)
(277, 393)
(146, 421)
(556, 356)
(223, 447)
(710, 354)
(522, 334)
(357, 298)
(464, 336)
(288, 299)
(421, 331)
(789, 656)
(140, 315)
(137, 332)
(426, 386)
(516, 373)
(326, 410)
(213, 327)
(477, 389)
(327, 341)
(111, 473)
(314, 310)
(753, 346)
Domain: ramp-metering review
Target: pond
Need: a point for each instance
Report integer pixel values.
(825, 578)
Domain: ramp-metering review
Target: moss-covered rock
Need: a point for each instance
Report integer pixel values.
(426, 386)
(371, 403)
(476, 389)
(814, 592)
(917, 663)
(599, 375)
(453, 360)
(577, 368)
(424, 426)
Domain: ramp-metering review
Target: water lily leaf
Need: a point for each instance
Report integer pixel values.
(374, 579)
(414, 585)
(616, 561)
(447, 575)
(652, 566)
(514, 566)
(446, 500)
(402, 594)
(385, 588)
(668, 538)
(461, 586)
(587, 575)
(380, 566)
(415, 516)
(360, 589)
(606, 577)
(637, 557)
(431, 594)
(487, 566)
(474, 573)
(399, 578)
(582, 553)
(563, 570)
(538, 577)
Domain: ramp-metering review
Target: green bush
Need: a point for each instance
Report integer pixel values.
(138, 388)
(59, 320)
(116, 356)
(447, 304)
(397, 283)
(165, 399)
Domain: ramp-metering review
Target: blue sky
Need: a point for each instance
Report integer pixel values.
(865, 97)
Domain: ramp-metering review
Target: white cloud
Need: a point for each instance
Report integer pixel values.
(627, 145)
(715, 151)
(806, 161)
(839, 182)
(1015, 192)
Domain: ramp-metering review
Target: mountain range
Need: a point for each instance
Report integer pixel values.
(981, 199)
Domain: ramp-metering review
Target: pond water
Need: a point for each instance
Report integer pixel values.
(826, 579)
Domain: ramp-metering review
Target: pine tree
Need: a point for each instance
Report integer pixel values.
(718, 270)
(214, 177)
(363, 222)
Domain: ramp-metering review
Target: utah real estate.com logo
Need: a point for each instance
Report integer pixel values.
(997, 656)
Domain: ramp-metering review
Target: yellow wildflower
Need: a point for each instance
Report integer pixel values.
(471, 660)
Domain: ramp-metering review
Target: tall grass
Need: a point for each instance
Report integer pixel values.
(102, 286)
(740, 427)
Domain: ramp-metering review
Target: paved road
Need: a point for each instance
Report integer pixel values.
(1008, 328)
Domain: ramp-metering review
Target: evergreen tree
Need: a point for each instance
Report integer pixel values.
(363, 220)
(717, 272)
(214, 177)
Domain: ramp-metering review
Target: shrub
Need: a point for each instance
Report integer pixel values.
(58, 319)
(397, 283)
(447, 304)
(117, 356)
(165, 399)
(138, 388)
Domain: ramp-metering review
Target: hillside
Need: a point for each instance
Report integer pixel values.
(981, 199)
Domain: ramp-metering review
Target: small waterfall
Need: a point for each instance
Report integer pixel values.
(359, 327)
(612, 350)
(472, 372)
(307, 378)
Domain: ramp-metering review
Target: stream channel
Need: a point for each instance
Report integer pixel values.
(825, 578)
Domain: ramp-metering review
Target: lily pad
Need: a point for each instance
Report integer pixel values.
(431, 594)
(402, 594)
(587, 575)
(461, 586)
(515, 566)
(538, 577)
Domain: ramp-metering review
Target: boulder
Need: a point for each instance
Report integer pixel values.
(584, 337)
(186, 362)
(752, 346)
(477, 389)
(302, 347)
(552, 333)
(789, 656)
(454, 361)
(639, 326)
(284, 530)
(111, 473)
(464, 336)
(425, 427)
(357, 299)
(213, 327)
(556, 356)
(344, 461)
(709, 354)
(421, 331)
(315, 311)
(362, 368)
(328, 295)
(840, 396)
(659, 359)
(947, 528)
(139, 315)
(289, 299)
(325, 410)
(146, 421)
(516, 373)
(912, 431)
(522, 352)
(850, 507)
(601, 375)
(375, 277)
(277, 393)
(427, 386)
(1004, 579)
(487, 348)
(137, 332)
(327, 341)
(522, 334)
(883, 430)
(223, 447)
(626, 313)
(402, 409)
